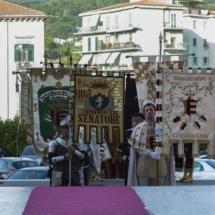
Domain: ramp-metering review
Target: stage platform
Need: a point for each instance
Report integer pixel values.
(186, 200)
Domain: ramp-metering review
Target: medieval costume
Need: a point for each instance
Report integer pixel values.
(142, 163)
(125, 148)
(57, 151)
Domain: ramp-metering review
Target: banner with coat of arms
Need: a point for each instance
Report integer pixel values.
(99, 103)
(50, 103)
(188, 112)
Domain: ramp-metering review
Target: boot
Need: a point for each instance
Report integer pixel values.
(185, 173)
(190, 176)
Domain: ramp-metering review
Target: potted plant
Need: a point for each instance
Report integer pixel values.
(104, 46)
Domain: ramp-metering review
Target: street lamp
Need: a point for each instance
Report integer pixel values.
(160, 40)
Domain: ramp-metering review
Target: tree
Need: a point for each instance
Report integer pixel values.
(9, 131)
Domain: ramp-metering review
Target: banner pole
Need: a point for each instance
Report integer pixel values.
(158, 106)
(70, 114)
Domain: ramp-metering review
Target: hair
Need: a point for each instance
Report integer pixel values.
(139, 118)
(149, 104)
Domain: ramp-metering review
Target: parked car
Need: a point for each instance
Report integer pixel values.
(204, 169)
(3, 152)
(203, 154)
(28, 152)
(31, 173)
(8, 165)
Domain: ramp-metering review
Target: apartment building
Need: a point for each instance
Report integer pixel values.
(199, 26)
(21, 47)
(110, 34)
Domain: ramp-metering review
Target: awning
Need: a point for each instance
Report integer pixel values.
(85, 59)
(113, 57)
(102, 58)
(94, 19)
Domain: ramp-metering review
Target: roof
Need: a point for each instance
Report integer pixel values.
(138, 3)
(7, 8)
(211, 12)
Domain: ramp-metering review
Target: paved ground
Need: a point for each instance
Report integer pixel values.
(105, 182)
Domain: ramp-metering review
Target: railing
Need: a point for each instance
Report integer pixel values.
(122, 26)
(173, 25)
(22, 66)
(175, 45)
(111, 67)
(118, 45)
(192, 11)
(116, 26)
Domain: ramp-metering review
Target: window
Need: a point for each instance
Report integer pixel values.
(130, 37)
(23, 52)
(116, 38)
(205, 43)
(96, 43)
(107, 23)
(205, 61)
(107, 39)
(194, 24)
(195, 61)
(2, 164)
(130, 20)
(173, 20)
(211, 163)
(89, 44)
(116, 22)
(205, 24)
(194, 42)
(198, 167)
(88, 22)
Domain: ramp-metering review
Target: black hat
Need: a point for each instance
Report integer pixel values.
(136, 114)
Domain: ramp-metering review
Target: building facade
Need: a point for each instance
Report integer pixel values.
(199, 26)
(110, 34)
(21, 47)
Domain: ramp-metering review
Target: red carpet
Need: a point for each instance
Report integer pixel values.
(84, 201)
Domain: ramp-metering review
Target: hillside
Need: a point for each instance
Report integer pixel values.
(63, 14)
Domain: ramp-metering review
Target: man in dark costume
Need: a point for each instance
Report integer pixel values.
(59, 153)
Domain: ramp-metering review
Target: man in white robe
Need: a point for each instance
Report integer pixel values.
(143, 157)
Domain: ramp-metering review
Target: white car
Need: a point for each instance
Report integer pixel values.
(204, 170)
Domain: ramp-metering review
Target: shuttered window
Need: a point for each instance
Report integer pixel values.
(96, 43)
(194, 42)
(23, 53)
(89, 44)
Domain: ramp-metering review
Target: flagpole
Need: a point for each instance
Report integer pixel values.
(158, 105)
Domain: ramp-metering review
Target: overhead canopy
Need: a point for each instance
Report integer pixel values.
(94, 19)
(85, 59)
(113, 57)
(103, 57)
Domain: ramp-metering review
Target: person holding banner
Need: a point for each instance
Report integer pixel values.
(142, 165)
(59, 153)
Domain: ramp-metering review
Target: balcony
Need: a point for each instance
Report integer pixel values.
(196, 11)
(118, 45)
(22, 66)
(112, 67)
(175, 46)
(106, 29)
(122, 27)
(173, 26)
(88, 30)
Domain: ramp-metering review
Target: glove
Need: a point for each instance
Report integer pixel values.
(155, 155)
